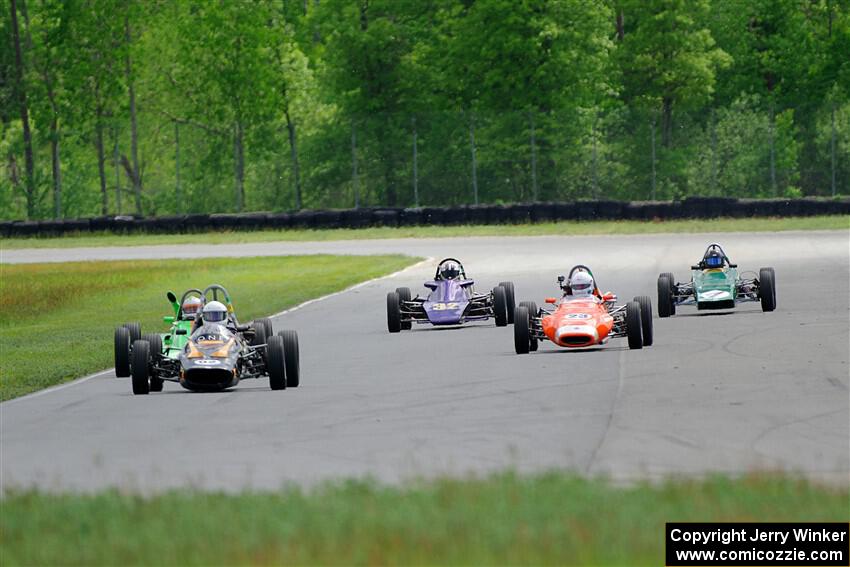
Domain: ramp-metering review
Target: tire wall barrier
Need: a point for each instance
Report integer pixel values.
(691, 208)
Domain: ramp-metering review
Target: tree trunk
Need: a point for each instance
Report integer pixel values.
(239, 166)
(667, 122)
(29, 163)
(293, 150)
(101, 163)
(134, 136)
(57, 168)
(620, 25)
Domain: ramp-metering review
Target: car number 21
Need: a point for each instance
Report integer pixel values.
(444, 306)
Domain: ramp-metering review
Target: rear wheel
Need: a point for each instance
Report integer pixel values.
(393, 312)
(404, 295)
(291, 357)
(645, 318)
(122, 352)
(666, 307)
(511, 297)
(633, 325)
(135, 331)
(141, 367)
(275, 363)
(500, 306)
(532, 311)
(522, 330)
(767, 289)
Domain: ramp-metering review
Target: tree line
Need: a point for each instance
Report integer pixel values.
(179, 106)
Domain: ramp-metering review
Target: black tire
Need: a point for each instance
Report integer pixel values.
(666, 307)
(404, 295)
(645, 318)
(500, 306)
(510, 295)
(260, 335)
(291, 357)
(393, 312)
(155, 341)
(141, 367)
(522, 330)
(122, 352)
(633, 325)
(767, 289)
(275, 363)
(135, 331)
(532, 310)
(267, 324)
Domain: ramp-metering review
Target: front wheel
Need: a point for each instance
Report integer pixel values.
(510, 295)
(500, 306)
(767, 289)
(275, 363)
(291, 358)
(532, 310)
(633, 325)
(266, 323)
(393, 312)
(141, 367)
(122, 352)
(522, 330)
(645, 318)
(155, 341)
(666, 306)
(404, 295)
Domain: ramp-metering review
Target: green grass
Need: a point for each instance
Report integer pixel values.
(838, 222)
(554, 518)
(57, 320)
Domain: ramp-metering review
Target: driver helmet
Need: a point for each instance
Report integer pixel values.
(581, 284)
(214, 312)
(713, 259)
(191, 306)
(449, 270)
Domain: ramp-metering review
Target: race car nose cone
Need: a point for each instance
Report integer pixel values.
(577, 335)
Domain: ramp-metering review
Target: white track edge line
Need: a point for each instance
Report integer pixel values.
(78, 381)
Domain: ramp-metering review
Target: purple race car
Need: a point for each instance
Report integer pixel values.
(451, 301)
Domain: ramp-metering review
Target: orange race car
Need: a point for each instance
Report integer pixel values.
(583, 317)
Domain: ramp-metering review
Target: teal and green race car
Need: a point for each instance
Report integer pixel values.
(716, 284)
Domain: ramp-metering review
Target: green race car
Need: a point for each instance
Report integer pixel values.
(716, 284)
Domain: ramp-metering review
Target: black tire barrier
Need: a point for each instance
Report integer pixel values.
(690, 208)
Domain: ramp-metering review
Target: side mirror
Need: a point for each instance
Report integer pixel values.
(180, 332)
(733, 265)
(561, 279)
(171, 297)
(551, 300)
(168, 319)
(608, 296)
(695, 267)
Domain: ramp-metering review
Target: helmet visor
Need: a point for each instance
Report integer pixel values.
(580, 286)
(714, 261)
(215, 316)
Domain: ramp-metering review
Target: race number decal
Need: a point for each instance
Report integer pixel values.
(577, 316)
(444, 306)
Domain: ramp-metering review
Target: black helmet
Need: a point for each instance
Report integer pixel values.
(449, 270)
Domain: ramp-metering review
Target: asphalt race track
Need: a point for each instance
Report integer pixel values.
(719, 391)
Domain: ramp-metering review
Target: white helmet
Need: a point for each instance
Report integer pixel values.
(581, 284)
(214, 312)
(191, 306)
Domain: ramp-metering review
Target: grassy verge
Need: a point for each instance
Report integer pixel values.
(57, 320)
(838, 222)
(554, 518)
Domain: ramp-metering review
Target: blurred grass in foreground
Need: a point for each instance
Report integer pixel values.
(553, 518)
(565, 228)
(57, 320)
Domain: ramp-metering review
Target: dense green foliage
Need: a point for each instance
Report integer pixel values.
(549, 519)
(228, 105)
(57, 324)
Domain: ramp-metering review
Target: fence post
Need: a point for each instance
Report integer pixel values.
(653, 157)
(415, 167)
(354, 177)
(474, 166)
(177, 167)
(832, 149)
(533, 160)
(117, 174)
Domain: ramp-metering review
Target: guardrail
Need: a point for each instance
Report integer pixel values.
(691, 208)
